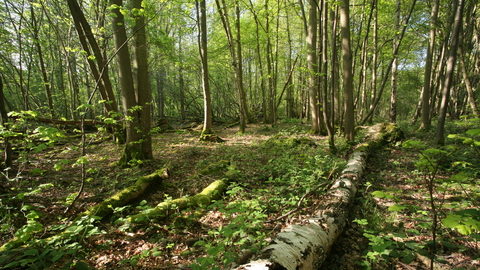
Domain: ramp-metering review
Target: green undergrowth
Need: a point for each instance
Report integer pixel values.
(421, 204)
(266, 179)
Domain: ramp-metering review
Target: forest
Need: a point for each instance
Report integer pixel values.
(239, 134)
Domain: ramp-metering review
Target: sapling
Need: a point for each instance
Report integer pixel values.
(429, 163)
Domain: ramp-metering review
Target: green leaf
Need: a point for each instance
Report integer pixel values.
(473, 132)
(396, 207)
(413, 144)
(451, 221)
(379, 194)
(409, 258)
(30, 252)
(82, 266)
(58, 255)
(465, 230)
(157, 253)
(459, 177)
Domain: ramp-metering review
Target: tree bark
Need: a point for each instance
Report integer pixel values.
(312, 65)
(327, 107)
(468, 84)
(142, 82)
(133, 149)
(43, 68)
(393, 89)
(236, 54)
(207, 100)
(452, 57)
(98, 65)
(347, 71)
(427, 89)
(7, 153)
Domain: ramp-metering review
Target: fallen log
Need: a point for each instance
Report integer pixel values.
(212, 192)
(87, 122)
(307, 246)
(101, 210)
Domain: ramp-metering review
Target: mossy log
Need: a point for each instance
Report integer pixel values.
(306, 246)
(104, 208)
(212, 192)
(125, 196)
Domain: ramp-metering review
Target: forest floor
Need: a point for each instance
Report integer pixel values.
(44, 183)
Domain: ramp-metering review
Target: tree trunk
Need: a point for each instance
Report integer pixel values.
(235, 52)
(347, 71)
(393, 90)
(133, 149)
(7, 153)
(207, 100)
(389, 67)
(260, 63)
(326, 109)
(468, 84)
(312, 65)
(334, 74)
(142, 82)
(452, 57)
(239, 71)
(43, 69)
(95, 60)
(427, 89)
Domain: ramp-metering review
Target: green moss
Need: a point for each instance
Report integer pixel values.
(215, 168)
(123, 197)
(212, 192)
(288, 142)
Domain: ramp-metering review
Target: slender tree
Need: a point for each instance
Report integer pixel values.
(312, 65)
(207, 100)
(7, 153)
(96, 61)
(134, 149)
(393, 89)
(426, 91)
(347, 71)
(142, 83)
(452, 58)
(326, 109)
(235, 47)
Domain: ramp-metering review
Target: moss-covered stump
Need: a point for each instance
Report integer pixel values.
(306, 246)
(101, 210)
(212, 192)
